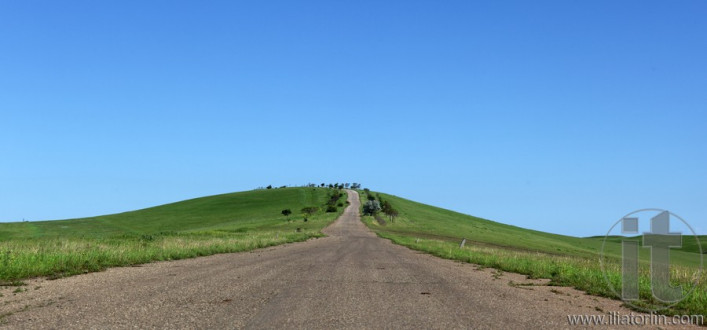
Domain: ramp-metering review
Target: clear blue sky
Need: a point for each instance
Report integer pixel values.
(559, 116)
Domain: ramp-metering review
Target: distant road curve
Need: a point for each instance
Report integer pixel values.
(350, 279)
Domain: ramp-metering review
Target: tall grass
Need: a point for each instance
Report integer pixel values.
(565, 260)
(199, 227)
(21, 259)
(581, 273)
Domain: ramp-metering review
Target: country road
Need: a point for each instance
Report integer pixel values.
(350, 279)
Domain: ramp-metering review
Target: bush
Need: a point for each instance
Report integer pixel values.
(309, 210)
(331, 209)
(334, 197)
(371, 207)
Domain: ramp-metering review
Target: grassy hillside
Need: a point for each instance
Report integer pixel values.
(688, 243)
(202, 226)
(568, 261)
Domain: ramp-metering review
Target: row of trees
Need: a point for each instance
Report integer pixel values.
(337, 185)
(324, 185)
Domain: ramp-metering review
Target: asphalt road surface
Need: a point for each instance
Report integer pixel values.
(350, 279)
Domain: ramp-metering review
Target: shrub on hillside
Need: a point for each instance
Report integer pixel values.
(371, 207)
(334, 197)
(309, 210)
(388, 209)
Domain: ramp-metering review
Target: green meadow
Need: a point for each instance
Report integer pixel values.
(565, 260)
(203, 226)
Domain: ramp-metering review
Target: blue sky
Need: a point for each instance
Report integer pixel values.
(558, 116)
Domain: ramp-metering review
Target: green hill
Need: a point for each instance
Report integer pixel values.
(242, 211)
(689, 244)
(202, 226)
(566, 260)
(425, 221)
